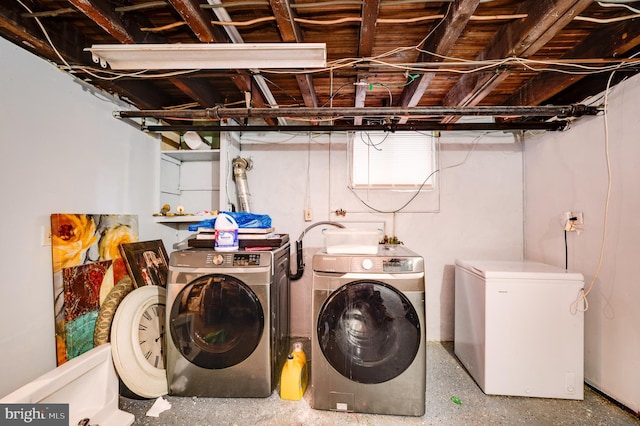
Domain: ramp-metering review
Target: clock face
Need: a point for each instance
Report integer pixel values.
(137, 346)
(151, 333)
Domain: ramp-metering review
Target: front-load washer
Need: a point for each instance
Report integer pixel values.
(227, 322)
(368, 351)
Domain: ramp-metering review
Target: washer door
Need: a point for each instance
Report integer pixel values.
(368, 331)
(216, 321)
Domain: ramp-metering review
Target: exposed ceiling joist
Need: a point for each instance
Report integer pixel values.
(381, 53)
(521, 38)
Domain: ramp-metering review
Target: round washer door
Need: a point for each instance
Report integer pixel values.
(368, 331)
(216, 321)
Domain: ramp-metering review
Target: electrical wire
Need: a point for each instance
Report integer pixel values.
(424, 182)
(307, 197)
(566, 252)
(583, 294)
(46, 34)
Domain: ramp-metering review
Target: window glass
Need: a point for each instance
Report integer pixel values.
(387, 160)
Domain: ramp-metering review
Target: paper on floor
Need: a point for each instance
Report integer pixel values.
(158, 407)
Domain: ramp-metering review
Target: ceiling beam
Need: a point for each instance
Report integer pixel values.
(290, 33)
(199, 90)
(103, 14)
(439, 41)
(25, 38)
(611, 41)
(520, 38)
(142, 94)
(370, 12)
(199, 21)
(110, 21)
(262, 93)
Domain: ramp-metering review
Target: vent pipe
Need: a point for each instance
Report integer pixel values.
(240, 168)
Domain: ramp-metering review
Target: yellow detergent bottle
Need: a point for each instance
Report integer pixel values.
(294, 379)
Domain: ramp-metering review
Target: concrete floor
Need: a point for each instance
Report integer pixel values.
(445, 379)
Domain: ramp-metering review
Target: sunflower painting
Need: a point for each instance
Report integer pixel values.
(86, 265)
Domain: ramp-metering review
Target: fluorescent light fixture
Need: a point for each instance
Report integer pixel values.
(209, 56)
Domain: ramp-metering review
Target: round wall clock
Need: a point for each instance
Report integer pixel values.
(137, 341)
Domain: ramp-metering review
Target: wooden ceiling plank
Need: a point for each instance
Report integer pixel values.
(105, 17)
(109, 20)
(439, 41)
(25, 38)
(196, 18)
(522, 37)
(199, 90)
(244, 83)
(370, 12)
(143, 95)
(290, 33)
(607, 42)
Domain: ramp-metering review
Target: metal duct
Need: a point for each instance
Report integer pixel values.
(240, 168)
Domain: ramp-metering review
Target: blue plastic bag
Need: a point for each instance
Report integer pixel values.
(243, 219)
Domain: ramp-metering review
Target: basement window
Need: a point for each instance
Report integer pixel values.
(399, 161)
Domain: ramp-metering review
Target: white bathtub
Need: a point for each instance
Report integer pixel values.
(88, 383)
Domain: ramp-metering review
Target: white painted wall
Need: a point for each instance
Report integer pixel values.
(568, 172)
(62, 152)
(476, 214)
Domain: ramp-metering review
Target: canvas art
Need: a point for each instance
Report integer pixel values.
(87, 264)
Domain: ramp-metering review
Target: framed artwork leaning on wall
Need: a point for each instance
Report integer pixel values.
(147, 262)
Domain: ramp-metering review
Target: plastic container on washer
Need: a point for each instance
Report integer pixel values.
(226, 233)
(351, 241)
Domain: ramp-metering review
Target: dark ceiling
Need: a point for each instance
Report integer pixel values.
(390, 63)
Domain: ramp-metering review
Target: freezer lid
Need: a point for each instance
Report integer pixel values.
(517, 269)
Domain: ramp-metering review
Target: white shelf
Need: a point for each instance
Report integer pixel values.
(181, 219)
(198, 155)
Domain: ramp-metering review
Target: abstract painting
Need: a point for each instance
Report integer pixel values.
(86, 265)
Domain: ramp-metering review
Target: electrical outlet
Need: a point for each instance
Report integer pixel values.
(45, 236)
(308, 215)
(573, 221)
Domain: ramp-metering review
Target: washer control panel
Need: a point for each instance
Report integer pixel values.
(388, 261)
(397, 264)
(205, 258)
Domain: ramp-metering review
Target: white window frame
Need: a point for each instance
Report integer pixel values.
(393, 161)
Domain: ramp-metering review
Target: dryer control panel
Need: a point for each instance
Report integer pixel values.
(246, 259)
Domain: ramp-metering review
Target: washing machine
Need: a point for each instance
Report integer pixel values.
(368, 351)
(227, 322)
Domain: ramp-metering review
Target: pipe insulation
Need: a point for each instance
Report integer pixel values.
(240, 168)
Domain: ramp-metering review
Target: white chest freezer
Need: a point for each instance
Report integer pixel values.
(517, 330)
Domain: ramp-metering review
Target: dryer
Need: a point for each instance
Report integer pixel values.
(368, 350)
(227, 322)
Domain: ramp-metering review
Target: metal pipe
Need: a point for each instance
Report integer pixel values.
(409, 127)
(240, 167)
(219, 113)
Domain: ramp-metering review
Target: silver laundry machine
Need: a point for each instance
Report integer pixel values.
(368, 351)
(227, 322)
